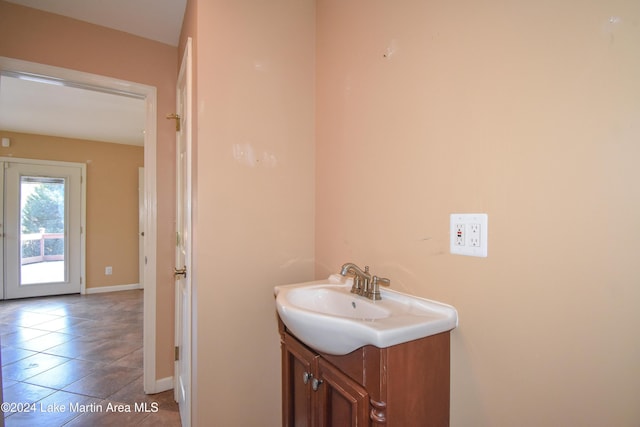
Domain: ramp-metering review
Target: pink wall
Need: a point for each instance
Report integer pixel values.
(525, 111)
(528, 111)
(41, 37)
(254, 197)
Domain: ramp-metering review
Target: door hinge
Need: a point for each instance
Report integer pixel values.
(177, 353)
(176, 117)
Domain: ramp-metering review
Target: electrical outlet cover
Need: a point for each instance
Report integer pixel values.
(473, 241)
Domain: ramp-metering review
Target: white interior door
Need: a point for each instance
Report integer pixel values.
(43, 225)
(182, 383)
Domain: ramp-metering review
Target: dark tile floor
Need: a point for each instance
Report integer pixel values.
(76, 361)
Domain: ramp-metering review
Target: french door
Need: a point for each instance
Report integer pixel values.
(42, 228)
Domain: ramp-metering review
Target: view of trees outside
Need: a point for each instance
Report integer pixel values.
(42, 212)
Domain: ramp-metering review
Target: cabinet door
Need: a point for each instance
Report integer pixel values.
(341, 402)
(298, 366)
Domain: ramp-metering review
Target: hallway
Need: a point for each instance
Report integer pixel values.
(77, 361)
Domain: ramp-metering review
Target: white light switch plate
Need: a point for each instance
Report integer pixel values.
(469, 234)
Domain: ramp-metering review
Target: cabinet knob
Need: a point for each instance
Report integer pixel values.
(315, 384)
(306, 377)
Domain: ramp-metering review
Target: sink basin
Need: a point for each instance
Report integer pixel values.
(326, 316)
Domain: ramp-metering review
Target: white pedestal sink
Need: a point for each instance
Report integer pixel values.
(326, 316)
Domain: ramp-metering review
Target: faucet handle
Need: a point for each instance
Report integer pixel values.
(381, 280)
(374, 291)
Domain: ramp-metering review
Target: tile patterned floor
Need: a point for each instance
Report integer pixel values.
(75, 361)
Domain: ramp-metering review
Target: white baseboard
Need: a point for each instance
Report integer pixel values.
(164, 384)
(114, 288)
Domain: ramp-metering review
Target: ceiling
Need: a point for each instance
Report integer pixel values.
(159, 20)
(49, 108)
(39, 108)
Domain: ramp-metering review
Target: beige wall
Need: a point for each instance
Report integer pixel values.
(112, 199)
(528, 111)
(254, 201)
(33, 35)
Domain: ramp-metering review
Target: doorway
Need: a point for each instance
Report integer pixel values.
(43, 219)
(148, 93)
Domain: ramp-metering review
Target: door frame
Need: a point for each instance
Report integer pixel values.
(1, 248)
(83, 208)
(141, 221)
(149, 93)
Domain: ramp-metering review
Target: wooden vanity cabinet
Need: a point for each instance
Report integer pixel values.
(316, 393)
(406, 385)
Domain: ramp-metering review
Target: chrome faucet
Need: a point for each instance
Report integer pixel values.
(363, 283)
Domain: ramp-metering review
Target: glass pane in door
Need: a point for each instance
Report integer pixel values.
(42, 230)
